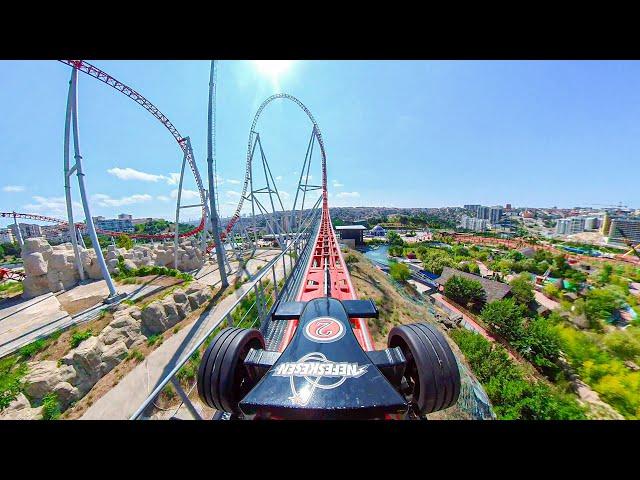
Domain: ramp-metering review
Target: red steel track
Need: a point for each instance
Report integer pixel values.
(326, 274)
(104, 77)
(63, 224)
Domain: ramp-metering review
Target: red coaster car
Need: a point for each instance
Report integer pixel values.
(324, 373)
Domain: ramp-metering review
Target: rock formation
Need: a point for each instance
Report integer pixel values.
(52, 269)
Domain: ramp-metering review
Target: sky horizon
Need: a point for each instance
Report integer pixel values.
(405, 134)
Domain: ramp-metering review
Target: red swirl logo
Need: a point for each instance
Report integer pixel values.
(324, 330)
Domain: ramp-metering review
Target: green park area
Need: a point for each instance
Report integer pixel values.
(594, 325)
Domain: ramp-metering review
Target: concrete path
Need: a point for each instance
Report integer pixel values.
(123, 400)
(24, 322)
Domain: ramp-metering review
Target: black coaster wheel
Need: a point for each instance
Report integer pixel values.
(223, 379)
(431, 381)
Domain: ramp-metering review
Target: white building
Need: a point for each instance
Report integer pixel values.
(571, 225)
(114, 224)
(475, 224)
(378, 231)
(6, 236)
(28, 230)
(591, 223)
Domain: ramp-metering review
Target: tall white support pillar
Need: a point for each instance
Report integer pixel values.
(77, 168)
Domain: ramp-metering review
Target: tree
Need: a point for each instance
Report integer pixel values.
(539, 343)
(394, 239)
(465, 291)
(505, 317)
(11, 249)
(124, 241)
(350, 259)
(605, 274)
(522, 289)
(399, 272)
(600, 303)
(1, 251)
(551, 290)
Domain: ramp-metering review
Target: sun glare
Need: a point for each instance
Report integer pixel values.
(273, 68)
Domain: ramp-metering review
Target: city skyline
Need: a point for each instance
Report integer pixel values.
(466, 132)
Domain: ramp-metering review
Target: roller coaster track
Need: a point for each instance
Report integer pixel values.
(104, 77)
(63, 223)
(39, 218)
(247, 176)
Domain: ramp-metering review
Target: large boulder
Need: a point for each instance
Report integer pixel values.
(58, 261)
(86, 359)
(112, 355)
(154, 318)
(123, 328)
(130, 264)
(172, 315)
(198, 294)
(20, 409)
(34, 264)
(35, 286)
(44, 376)
(69, 278)
(37, 245)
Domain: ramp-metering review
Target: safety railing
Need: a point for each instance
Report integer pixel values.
(276, 280)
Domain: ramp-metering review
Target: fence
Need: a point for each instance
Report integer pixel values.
(253, 306)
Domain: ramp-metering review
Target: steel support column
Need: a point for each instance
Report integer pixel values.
(73, 87)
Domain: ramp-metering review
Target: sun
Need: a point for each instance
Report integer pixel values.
(273, 68)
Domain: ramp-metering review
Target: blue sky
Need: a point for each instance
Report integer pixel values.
(398, 133)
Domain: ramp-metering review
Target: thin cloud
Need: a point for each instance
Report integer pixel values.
(233, 182)
(13, 188)
(106, 201)
(163, 198)
(232, 193)
(173, 178)
(186, 194)
(348, 195)
(51, 206)
(337, 184)
(132, 174)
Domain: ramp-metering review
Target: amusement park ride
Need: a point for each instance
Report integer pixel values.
(320, 360)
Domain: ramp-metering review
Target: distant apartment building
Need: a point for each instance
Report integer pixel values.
(6, 236)
(625, 229)
(28, 230)
(124, 225)
(483, 212)
(591, 223)
(507, 206)
(56, 233)
(125, 216)
(571, 225)
(495, 214)
(472, 208)
(475, 224)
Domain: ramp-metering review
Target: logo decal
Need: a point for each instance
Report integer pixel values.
(312, 369)
(324, 330)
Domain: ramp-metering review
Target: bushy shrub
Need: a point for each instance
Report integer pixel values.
(78, 337)
(465, 291)
(50, 407)
(512, 396)
(399, 272)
